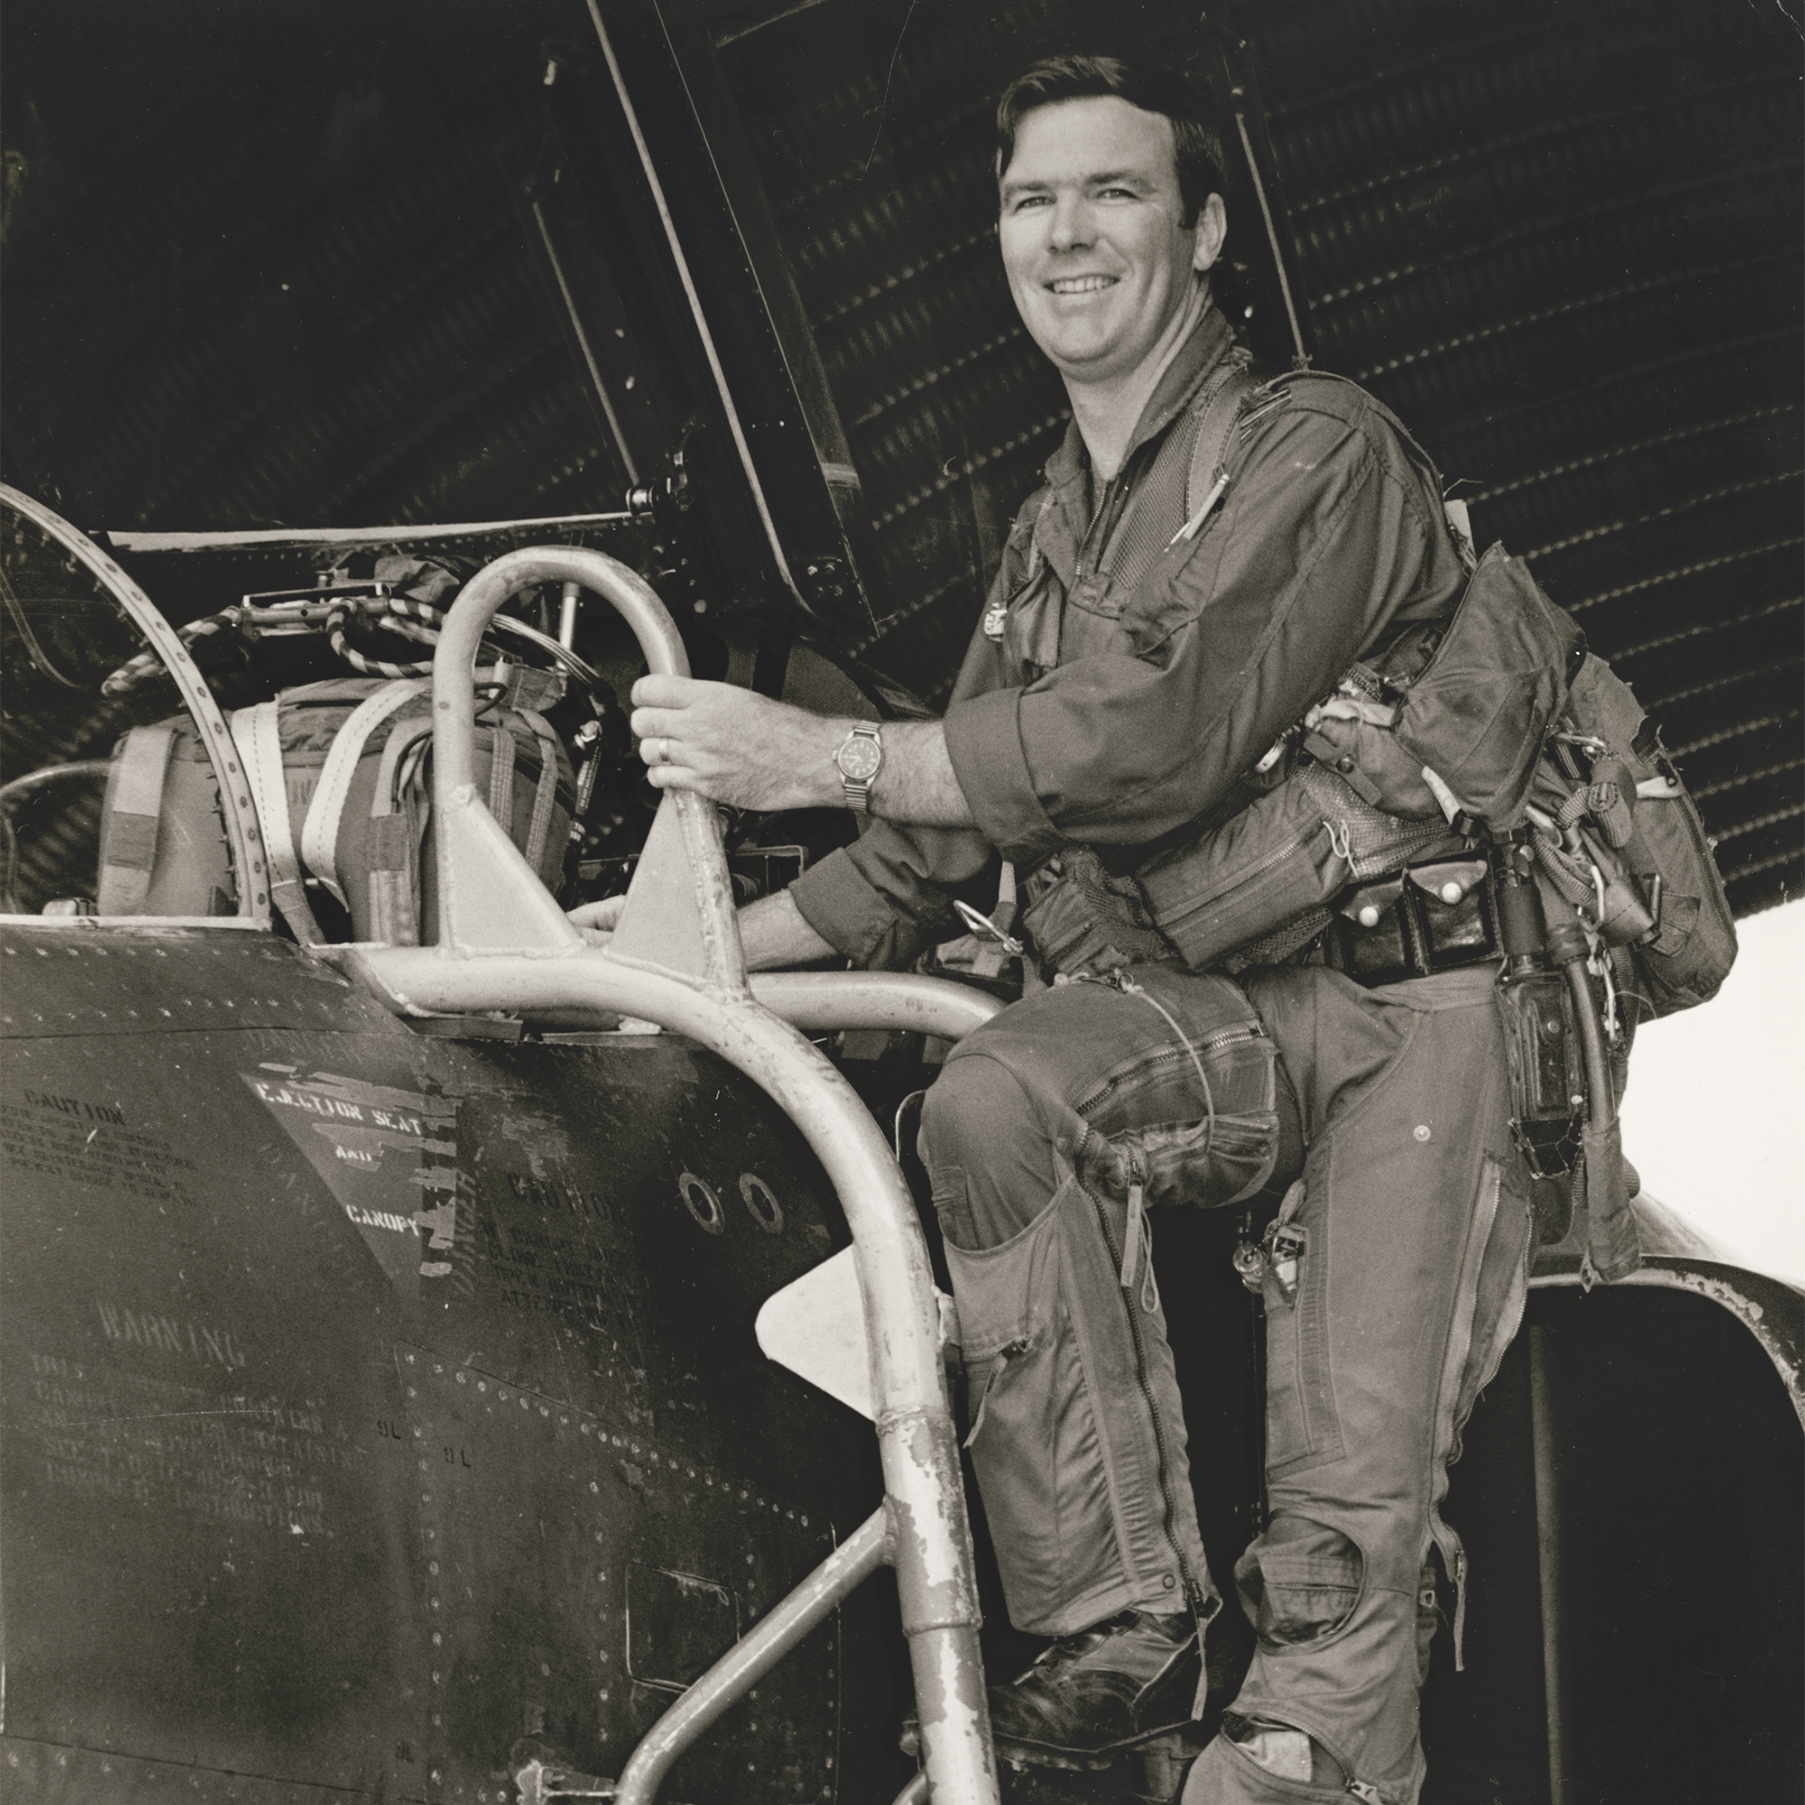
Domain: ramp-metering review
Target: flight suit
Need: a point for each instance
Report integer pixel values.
(1124, 682)
(1410, 1222)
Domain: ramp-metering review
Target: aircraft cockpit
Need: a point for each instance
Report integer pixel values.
(264, 783)
(88, 747)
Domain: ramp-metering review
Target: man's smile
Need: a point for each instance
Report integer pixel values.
(1081, 285)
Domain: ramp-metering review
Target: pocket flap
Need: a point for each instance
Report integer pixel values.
(1006, 1293)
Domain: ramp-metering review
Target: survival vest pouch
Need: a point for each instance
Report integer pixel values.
(1260, 886)
(340, 773)
(1457, 709)
(1617, 836)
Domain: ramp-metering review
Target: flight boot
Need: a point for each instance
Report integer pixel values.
(1091, 1695)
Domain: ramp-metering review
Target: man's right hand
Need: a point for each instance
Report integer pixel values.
(597, 921)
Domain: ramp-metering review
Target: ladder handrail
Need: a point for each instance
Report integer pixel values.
(504, 945)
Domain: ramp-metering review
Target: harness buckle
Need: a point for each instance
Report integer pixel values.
(985, 928)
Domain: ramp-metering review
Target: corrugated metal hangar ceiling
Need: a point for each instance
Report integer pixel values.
(1562, 243)
(246, 288)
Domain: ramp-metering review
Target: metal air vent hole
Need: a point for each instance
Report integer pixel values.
(767, 1212)
(701, 1202)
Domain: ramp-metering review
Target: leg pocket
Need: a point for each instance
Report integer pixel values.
(1208, 1165)
(1302, 1429)
(1034, 1439)
(1299, 1583)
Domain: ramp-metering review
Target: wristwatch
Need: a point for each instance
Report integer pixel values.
(860, 758)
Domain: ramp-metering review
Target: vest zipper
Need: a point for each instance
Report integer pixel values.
(1276, 856)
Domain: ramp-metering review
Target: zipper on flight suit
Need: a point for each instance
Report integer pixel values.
(1454, 1361)
(1209, 1043)
(1193, 1593)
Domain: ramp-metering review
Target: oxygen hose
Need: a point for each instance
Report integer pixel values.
(1567, 949)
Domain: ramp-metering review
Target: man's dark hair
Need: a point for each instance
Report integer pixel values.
(1056, 78)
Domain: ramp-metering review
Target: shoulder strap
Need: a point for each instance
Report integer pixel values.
(133, 809)
(546, 796)
(1218, 412)
(256, 734)
(319, 834)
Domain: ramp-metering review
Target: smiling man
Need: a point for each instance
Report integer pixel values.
(1210, 554)
(1103, 255)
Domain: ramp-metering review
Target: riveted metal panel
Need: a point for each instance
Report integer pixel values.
(78, 979)
(580, 1573)
(584, 1267)
(217, 1250)
(204, 1543)
(52, 1774)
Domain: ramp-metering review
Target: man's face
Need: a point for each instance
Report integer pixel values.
(1096, 258)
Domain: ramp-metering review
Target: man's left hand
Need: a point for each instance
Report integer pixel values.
(735, 745)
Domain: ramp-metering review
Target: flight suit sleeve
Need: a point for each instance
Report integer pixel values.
(1325, 539)
(888, 896)
(884, 899)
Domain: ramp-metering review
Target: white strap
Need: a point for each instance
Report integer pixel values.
(256, 733)
(319, 833)
(1460, 523)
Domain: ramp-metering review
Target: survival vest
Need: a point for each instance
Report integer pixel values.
(1492, 721)
(1618, 837)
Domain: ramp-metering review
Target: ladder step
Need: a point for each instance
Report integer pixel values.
(1151, 1774)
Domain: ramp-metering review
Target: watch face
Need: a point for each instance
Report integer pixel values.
(859, 758)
